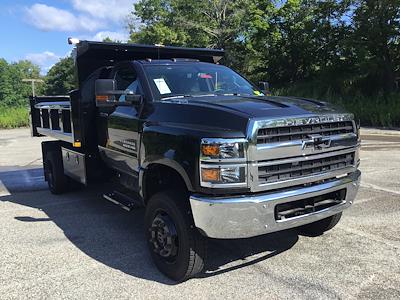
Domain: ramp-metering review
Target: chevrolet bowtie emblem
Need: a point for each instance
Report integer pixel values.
(316, 141)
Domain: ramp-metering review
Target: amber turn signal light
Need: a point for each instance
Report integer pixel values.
(102, 98)
(210, 150)
(210, 175)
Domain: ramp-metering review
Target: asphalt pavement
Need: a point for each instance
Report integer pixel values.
(79, 246)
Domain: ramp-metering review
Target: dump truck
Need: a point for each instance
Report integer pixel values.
(208, 154)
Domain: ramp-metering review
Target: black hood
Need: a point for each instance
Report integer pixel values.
(268, 107)
(228, 116)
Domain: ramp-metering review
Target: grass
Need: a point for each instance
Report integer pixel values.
(13, 117)
(374, 111)
(377, 111)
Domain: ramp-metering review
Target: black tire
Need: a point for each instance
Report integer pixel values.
(319, 227)
(187, 256)
(54, 171)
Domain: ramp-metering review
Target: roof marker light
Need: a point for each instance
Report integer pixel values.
(73, 41)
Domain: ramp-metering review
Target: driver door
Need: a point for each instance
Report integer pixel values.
(123, 143)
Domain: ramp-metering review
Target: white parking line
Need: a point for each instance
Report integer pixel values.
(378, 188)
(3, 190)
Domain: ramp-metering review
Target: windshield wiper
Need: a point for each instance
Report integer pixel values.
(187, 96)
(240, 95)
(204, 95)
(176, 97)
(232, 94)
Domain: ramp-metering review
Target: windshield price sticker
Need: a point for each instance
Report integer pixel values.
(162, 86)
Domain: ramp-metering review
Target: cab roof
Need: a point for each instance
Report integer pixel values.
(90, 56)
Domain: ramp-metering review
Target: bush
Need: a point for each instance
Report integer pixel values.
(13, 117)
(377, 111)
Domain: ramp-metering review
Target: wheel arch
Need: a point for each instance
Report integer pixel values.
(155, 176)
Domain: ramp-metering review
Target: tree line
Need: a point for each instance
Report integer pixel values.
(14, 92)
(340, 46)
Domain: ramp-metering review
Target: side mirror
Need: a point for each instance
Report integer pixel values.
(264, 87)
(104, 86)
(104, 90)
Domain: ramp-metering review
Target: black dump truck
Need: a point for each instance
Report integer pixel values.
(207, 153)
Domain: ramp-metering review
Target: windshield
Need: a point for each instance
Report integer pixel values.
(195, 80)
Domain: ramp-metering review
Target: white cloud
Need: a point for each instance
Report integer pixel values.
(49, 18)
(115, 36)
(44, 60)
(115, 10)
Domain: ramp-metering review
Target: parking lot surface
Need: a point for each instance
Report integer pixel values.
(79, 246)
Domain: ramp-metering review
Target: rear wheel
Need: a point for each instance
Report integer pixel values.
(177, 248)
(54, 172)
(319, 227)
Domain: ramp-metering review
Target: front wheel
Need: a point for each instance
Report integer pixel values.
(177, 248)
(319, 227)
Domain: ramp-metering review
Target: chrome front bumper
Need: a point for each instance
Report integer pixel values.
(247, 216)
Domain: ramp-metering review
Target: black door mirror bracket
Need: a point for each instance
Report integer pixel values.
(264, 87)
(133, 99)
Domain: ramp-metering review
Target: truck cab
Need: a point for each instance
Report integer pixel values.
(205, 151)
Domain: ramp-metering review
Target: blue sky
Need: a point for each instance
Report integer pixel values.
(38, 30)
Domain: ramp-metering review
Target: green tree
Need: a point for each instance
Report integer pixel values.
(190, 23)
(343, 45)
(22, 70)
(14, 92)
(61, 77)
(157, 23)
(7, 93)
(376, 39)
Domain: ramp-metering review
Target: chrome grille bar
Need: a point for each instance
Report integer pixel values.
(290, 133)
(297, 169)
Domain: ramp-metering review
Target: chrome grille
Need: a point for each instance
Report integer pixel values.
(300, 132)
(307, 166)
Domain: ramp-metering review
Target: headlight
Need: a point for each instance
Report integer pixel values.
(221, 174)
(223, 163)
(218, 149)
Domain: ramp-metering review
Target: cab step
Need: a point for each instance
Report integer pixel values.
(122, 200)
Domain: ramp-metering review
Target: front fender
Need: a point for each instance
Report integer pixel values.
(172, 148)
